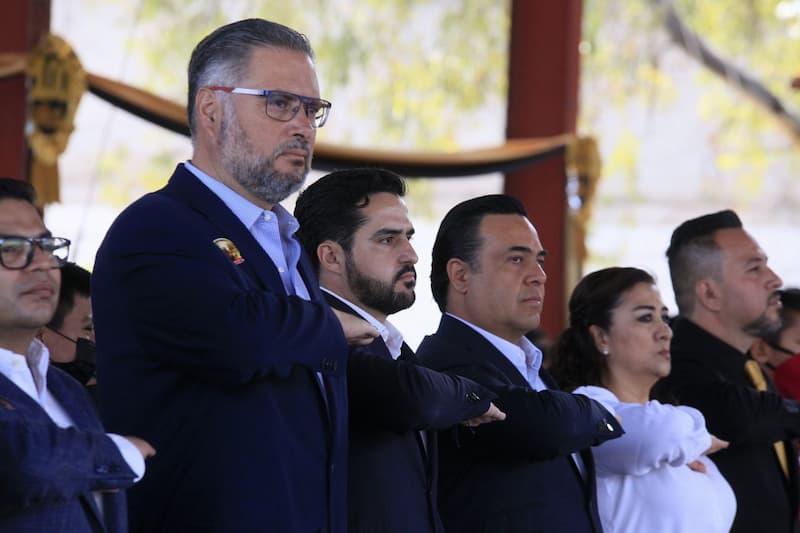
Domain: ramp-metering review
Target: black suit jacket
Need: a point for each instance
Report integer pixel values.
(392, 472)
(709, 374)
(205, 356)
(517, 476)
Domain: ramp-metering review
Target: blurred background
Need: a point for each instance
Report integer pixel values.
(679, 135)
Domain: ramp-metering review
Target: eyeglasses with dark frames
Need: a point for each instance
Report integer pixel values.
(283, 105)
(17, 253)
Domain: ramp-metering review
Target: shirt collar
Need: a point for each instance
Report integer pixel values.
(36, 361)
(523, 355)
(245, 210)
(389, 333)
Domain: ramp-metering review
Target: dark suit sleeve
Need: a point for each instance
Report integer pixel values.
(758, 417)
(402, 396)
(539, 425)
(41, 462)
(187, 305)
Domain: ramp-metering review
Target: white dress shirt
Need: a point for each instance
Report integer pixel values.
(273, 230)
(643, 481)
(391, 335)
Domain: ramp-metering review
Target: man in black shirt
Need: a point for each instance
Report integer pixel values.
(727, 297)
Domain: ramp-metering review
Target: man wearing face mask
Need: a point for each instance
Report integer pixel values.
(70, 333)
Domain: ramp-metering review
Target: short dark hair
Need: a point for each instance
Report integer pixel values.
(74, 280)
(694, 254)
(577, 360)
(11, 188)
(330, 208)
(222, 57)
(790, 313)
(459, 237)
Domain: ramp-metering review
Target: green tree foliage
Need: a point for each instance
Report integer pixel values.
(402, 74)
(625, 48)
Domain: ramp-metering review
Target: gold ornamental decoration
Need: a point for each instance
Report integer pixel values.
(583, 169)
(56, 82)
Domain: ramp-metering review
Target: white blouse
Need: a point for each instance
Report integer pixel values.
(643, 481)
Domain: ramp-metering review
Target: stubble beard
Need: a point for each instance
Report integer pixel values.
(763, 326)
(257, 174)
(378, 295)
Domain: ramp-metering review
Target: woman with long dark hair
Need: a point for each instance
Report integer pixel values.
(656, 477)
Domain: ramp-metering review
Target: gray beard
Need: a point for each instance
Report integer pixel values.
(255, 174)
(762, 326)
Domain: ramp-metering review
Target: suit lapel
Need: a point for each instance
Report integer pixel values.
(75, 409)
(407, 354)
(377, 347)
(479, 350)
(15, 398)
(185, 187)
(81, 418)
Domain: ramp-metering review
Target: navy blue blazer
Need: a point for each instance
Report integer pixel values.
(47, 473)
(515, 476)
(392, 472)
(202, 353)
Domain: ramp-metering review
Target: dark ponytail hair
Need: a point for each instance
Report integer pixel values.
(577, 361)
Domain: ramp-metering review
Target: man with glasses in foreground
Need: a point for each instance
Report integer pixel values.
(59, 470)
(213, 339)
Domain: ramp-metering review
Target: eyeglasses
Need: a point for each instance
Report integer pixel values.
(283, 106)
(16, 253)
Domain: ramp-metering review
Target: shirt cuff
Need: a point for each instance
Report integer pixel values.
(130, 453)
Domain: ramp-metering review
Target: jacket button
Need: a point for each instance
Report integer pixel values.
(473, 397)
(605, 426)
(329, 365)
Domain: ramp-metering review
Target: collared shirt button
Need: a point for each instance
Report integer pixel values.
(267, 217)
(281, 270)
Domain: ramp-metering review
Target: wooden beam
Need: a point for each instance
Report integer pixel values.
(543, 74)
(21, 25)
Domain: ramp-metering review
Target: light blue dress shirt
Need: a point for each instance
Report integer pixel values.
(527, 359)
(525, 356)
(274, 230)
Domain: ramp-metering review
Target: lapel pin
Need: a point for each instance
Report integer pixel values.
(230, 249)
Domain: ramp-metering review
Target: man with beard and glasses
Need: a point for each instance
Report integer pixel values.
(59, 470)
(354, 225)
(727, 296)
(214, 341)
